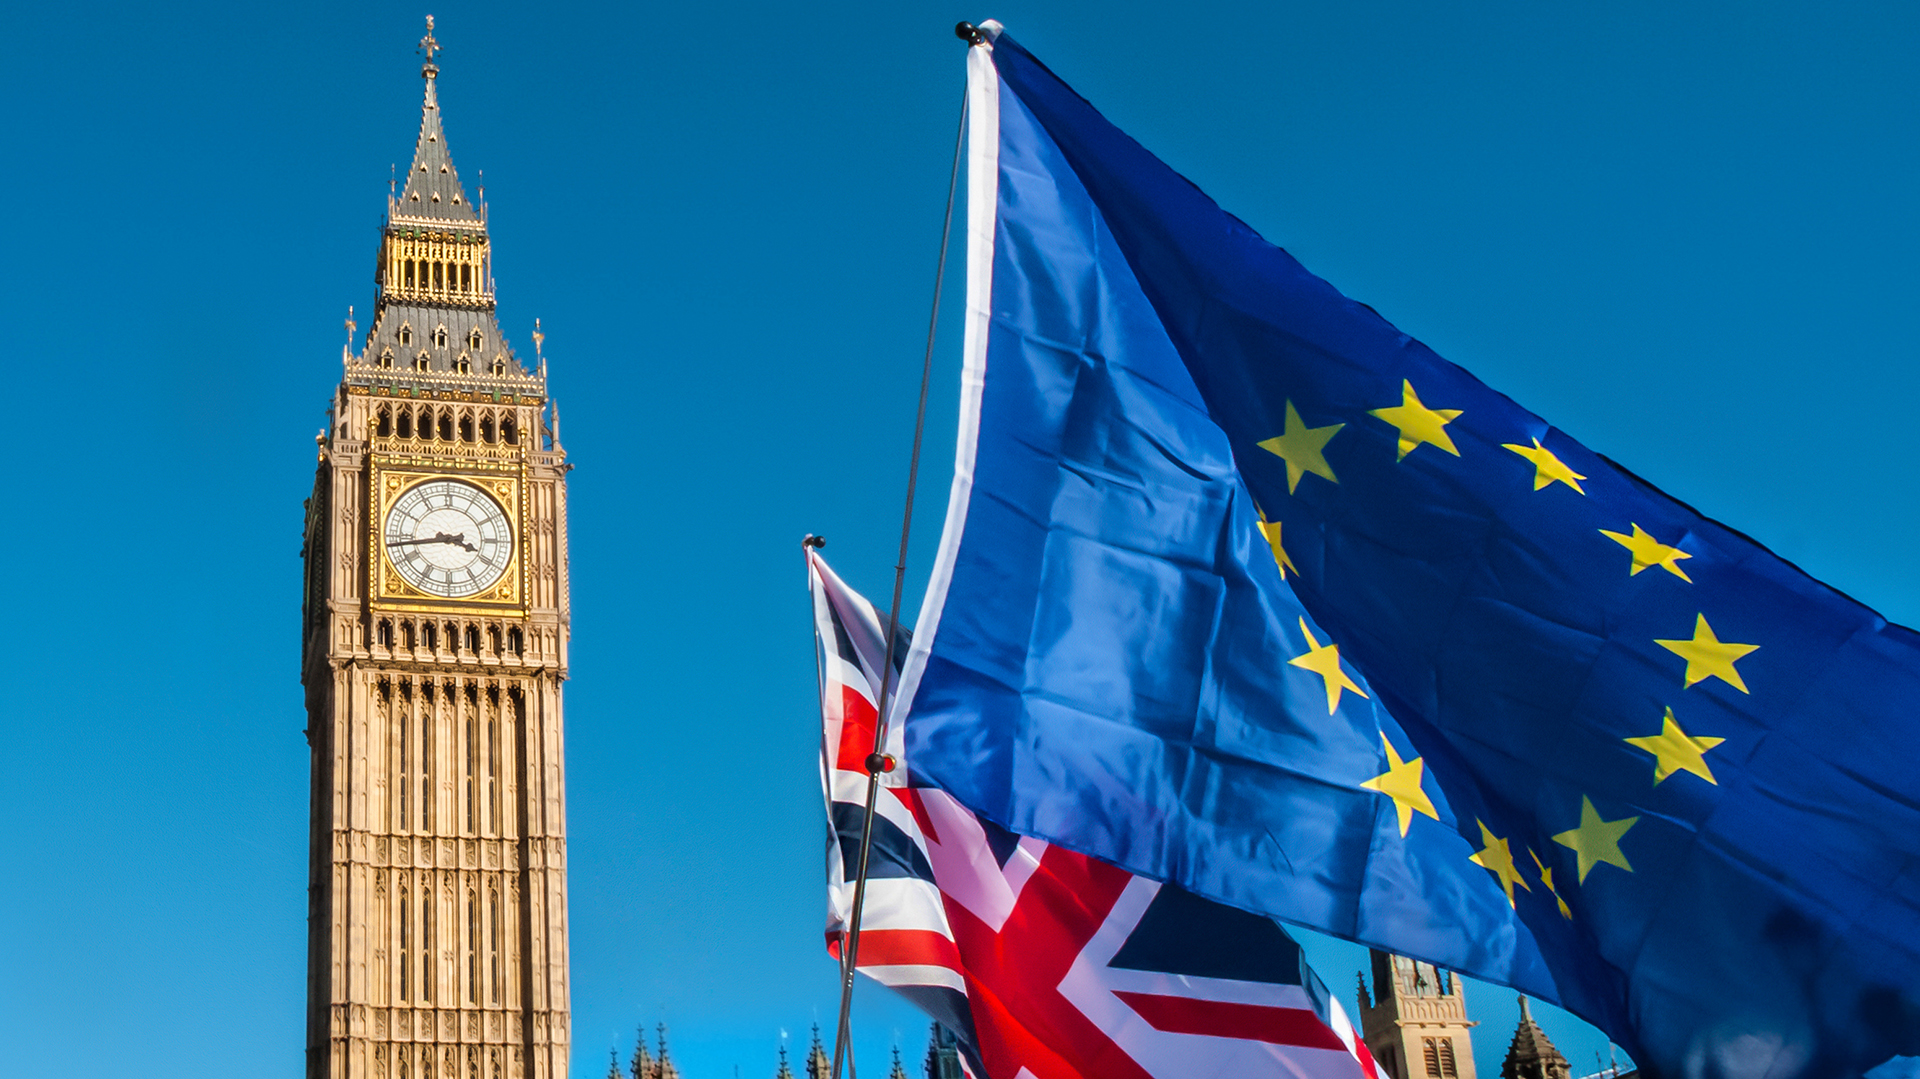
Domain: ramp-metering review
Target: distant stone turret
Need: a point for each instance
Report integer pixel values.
(943, 1054)
(1532, 1056)
(1415, 1022)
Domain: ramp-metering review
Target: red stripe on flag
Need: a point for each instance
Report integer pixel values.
(856, 731)
(916, 806)
(1222, 1019)
(901, 947)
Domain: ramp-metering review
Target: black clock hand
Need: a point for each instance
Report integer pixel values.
(458, 540)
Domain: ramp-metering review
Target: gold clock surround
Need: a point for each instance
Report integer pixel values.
(388, 591)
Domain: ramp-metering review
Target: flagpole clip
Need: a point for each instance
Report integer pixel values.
(813, 541)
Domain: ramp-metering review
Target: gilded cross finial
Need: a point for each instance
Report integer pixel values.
(537, 338)
(351, 325)
(428, 46)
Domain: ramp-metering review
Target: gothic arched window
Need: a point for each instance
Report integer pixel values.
(493, 953)
(492, 774)
(473, 768)
(486, 427)
(385, 633)
(386, 357)
(475, 341)
(473, 639)
(422, 362)
(446, 426)
(406, 335)
(466, 278)
(493, 639)
(406, 949)
(473, 959)
(464, 366)
(440, 337)
(383, 423)
(516, 641)
(509, 432)
(426, 946)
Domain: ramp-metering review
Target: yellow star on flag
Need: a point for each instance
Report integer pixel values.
(1401, 782)
(1324, 660)
(1495, 856)
(1271, 530)
(1708, 657)
(1596, 840)
(1546, 467)
(1674, 751)
(1302, 448)
(1546, 878)
(1648, 551)
(1418, 424)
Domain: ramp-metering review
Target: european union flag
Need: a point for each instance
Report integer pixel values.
(1245, 589)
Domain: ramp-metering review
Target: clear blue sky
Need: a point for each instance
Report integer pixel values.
(1683, 233)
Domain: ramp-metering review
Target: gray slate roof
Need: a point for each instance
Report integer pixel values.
(433, 186)
(419, 321)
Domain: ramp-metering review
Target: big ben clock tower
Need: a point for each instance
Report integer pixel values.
(434, 645)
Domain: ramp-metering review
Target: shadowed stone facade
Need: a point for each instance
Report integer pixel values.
(1415, 1022)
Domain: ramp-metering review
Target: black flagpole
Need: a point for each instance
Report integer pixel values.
(877, 761)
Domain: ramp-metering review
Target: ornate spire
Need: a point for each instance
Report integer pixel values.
(433, 187)
(428, 46)
(1532, 1055)
(899, 1070)
(783, 1072)
(641, 1064)
(817, 1064)
(665, 1069)
(613, 1064)
(433, 323)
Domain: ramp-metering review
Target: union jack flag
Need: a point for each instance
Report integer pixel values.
(1042, 962)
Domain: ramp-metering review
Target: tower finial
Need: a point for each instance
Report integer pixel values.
(428, 46)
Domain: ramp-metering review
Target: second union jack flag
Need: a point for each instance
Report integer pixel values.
(1043, 962)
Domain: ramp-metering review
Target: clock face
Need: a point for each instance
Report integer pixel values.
(448, 538)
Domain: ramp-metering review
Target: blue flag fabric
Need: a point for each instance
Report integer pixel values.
(1245, 589)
